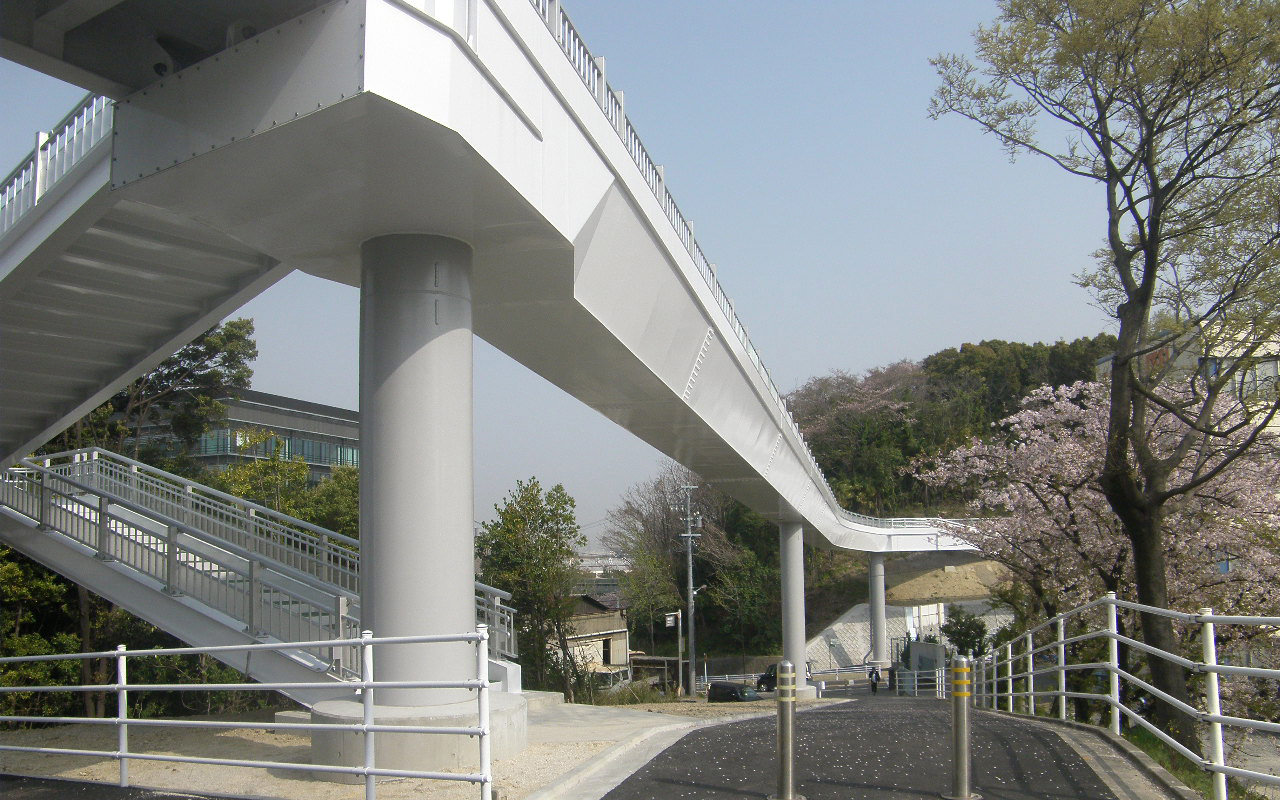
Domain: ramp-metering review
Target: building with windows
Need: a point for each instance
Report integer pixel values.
(599, 639)
(323, 436)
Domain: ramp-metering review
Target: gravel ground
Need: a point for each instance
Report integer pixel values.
(539, 765)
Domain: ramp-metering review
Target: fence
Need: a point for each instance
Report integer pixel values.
(922, 683)
(277, 574)
(365, 645)
(1006, 678)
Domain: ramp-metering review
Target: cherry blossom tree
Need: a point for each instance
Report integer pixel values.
(1036, 481)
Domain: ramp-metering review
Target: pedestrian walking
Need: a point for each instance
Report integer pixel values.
(874, 675)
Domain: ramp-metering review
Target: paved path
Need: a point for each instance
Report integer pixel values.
(875, 748)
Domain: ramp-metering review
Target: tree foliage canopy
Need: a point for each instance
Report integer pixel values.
(181, 395)
(530, 547)
(865, 430)
(1172, 108)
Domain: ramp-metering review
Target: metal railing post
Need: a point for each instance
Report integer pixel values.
(993, 699)
(122, 713)
(602, 85)
(1031, 675)
(366, 697)
(1062, 668)
(326, 552)
(41, 180)
(46, 502)
(1213, 703)
(254, 614)
(171, 560)
(1113, 657)
(1008, 676)
(482, 698)
(961, 767)
(786, 732)
(979, 685)
(104, 529)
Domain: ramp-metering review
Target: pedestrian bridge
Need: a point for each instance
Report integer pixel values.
(469, 166)
(142, 223)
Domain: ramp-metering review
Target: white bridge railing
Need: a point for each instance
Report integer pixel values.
(364, 645)
(1007, 678)
(282, 577)
(55, 154)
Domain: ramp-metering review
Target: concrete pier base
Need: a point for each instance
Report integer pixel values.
(508, 721)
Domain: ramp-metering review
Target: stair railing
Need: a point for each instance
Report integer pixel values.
(271, 600)
(305, 555)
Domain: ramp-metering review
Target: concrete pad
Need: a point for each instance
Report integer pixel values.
(508, 723)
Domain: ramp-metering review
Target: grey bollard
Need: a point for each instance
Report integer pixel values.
(961, 687)
(786, 733)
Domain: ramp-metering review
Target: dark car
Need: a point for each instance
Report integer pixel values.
(725, 692)
(768, 680)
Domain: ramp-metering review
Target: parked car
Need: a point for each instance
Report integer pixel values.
(768, 680)
(725, 692)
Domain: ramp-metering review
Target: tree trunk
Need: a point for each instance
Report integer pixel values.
(1157, 631)
(567, 664)
(94, 702)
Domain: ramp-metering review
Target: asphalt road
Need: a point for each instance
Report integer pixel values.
(874, 748)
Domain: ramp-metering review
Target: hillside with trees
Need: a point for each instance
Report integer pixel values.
(866, 431)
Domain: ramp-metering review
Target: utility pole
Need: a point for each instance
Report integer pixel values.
(691, 521)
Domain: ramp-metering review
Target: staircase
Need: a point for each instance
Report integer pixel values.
(205, 566)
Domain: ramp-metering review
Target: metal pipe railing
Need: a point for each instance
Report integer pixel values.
(368, 685)
(997, 683)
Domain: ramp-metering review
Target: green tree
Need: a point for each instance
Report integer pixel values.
(1172, 110)
(966, 632)
(275, 481)
(530, 547)
(743, 590)
(182, 395)
(334, 503)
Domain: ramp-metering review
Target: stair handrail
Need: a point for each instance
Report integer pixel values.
(75, 135)
(325, 555)
(164, 519)
(489, 599)
(97, 520)
(261, 510)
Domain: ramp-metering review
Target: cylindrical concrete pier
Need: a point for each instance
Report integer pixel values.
(875, 601)
(417, 542)
(791, 545)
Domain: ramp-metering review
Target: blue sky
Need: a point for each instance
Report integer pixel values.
(850, 230)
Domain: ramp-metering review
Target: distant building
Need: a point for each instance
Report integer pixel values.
(600, 573)
(599, 640)
(322, 436)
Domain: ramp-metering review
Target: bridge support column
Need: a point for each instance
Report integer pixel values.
(417, 570)
(417, 539)
(875, 601)
(791, 546)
